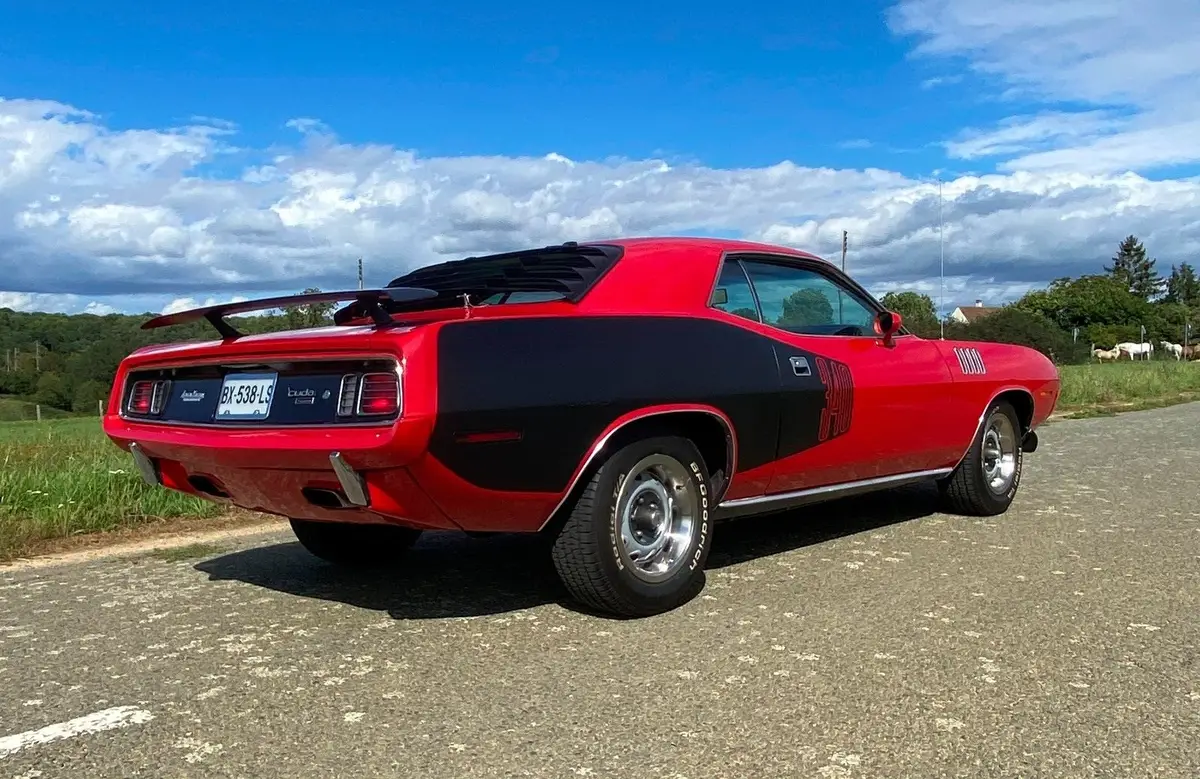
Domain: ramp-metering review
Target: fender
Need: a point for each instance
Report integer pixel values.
(983, 416)
(597, 448)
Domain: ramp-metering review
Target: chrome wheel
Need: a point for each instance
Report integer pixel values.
(999, 459)
(656, 516)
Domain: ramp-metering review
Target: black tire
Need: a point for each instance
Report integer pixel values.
(355, 544)
(591, 558)
(967, 490)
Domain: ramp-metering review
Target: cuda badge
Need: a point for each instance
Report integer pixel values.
(969, 360)
(304, 397)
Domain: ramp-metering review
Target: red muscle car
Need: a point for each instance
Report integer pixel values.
(618, 397)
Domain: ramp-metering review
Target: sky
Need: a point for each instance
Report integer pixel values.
(153, 158)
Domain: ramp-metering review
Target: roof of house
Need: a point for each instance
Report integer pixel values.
(971, 313)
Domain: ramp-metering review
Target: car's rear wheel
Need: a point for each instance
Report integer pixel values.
(354, 543)
(639, 533)
(986, 481)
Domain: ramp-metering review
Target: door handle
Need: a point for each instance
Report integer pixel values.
(800, 366)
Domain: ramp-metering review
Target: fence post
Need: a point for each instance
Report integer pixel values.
(38, 409)
(100, 406)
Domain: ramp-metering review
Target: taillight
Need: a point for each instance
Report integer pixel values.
(147, 398)
(369, 395)
(379, 394)
(347, 396)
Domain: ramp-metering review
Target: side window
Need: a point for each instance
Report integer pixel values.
(801, 300)
(733, 293)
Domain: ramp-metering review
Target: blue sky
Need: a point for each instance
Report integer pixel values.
(632, 79)
(157, 155)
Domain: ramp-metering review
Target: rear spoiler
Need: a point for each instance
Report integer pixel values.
(366, 300)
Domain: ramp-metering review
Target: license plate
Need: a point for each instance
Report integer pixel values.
(246, 396)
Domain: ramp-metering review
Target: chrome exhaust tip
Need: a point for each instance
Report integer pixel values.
(351, 480)
(145, 465)
(1030, 442)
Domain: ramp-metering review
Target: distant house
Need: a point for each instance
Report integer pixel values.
(969, 314)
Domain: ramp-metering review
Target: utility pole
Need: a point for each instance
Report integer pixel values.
(37, 356)
(360, 273)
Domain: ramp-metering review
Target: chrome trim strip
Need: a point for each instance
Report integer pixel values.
(730, 461)
(145, 465)
(351, 480)
(794, 498)
(983, 416)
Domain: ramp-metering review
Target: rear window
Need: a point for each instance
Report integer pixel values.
(522, 297)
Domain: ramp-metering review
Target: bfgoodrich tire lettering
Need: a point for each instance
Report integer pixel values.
(969, 490)
(617, 551)
(354, 543)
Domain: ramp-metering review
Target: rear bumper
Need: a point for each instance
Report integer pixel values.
(343, 474)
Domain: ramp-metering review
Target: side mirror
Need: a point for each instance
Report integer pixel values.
(887, 324)
(720, 296)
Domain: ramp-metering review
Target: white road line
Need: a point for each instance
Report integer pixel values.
(116, 717)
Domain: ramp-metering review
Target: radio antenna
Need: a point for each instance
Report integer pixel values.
(942, 273)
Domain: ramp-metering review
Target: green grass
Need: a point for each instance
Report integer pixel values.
(1136, 384)
(64, 477)
(13, 410)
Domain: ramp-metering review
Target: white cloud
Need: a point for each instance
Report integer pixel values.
(125, 219)
(57, 304)
(938, 81)
(1022, 133)
(183, 304)
(1140, 55)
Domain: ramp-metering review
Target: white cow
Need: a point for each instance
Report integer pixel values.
(1175, 349)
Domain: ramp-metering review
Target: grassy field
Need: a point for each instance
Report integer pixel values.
(13, 410)
(63, 478)
(1127, 385)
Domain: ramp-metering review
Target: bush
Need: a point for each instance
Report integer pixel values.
(1012, 325)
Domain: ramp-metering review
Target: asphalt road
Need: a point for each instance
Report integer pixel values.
(870, 637)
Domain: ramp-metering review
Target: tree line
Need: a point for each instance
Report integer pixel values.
(1067, 317)
(68, 361)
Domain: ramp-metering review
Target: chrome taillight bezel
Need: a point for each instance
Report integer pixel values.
(159, 388)
(350, 395)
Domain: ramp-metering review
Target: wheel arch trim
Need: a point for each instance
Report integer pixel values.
(1005, 390)
(649, 412)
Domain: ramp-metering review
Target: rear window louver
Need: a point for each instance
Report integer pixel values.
(570, 270)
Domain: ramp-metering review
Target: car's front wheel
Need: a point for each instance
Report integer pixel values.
(639, 534)
(355, 544)
(986, 481)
